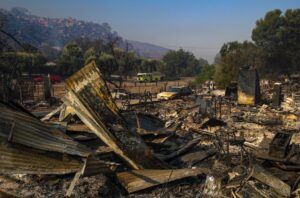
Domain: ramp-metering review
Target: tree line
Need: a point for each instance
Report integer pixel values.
(110, 58)
(113, 60)
(274, 50)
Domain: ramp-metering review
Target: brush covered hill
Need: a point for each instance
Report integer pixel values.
(44, 32)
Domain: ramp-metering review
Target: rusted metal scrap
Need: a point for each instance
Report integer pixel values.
(17, 159)
(90, 98)
(20, 127)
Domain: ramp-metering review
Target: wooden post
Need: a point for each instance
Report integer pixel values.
(47, 87)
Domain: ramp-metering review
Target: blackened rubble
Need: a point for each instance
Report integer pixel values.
(204, 144)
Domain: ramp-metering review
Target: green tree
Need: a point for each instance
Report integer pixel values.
(233, 56)
(181, 63)
(125, 61)
(90, 55)
(279, 35)
(16, 63)
(71, 59)
(149, 65)
(107, 64)
(206, 73)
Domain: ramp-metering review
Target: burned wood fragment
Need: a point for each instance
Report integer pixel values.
(137, 180)
(267, 178)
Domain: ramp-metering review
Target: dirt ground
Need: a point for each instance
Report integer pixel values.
(59, 89)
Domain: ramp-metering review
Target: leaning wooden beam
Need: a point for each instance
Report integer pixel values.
(17, 159)
(91, 167)
(267, 178)
(137, 180)
(66, 113)
(73, 183)
(19, 127)
(90, 98)
(52, 113)
(79, 128)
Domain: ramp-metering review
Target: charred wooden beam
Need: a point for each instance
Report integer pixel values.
(267, 178)
(137, 180)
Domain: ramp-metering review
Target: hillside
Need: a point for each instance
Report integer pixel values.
(55, 32)
(148, 50)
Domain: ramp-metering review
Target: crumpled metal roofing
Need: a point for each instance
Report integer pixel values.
(20, 127)
(17, 159)
(90, 98)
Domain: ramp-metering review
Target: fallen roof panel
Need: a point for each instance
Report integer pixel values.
(90, 98)
(19, 127)
(17, 159)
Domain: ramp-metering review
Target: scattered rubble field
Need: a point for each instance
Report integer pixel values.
(200, 145)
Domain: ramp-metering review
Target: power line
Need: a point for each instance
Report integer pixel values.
(192, 47)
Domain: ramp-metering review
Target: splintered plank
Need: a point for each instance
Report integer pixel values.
(267, 178)
(89, 97)
(137, 180)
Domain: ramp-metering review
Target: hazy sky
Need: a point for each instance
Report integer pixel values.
(200, 26)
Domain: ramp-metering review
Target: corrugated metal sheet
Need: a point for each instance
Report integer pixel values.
(19, 127)
(89, 96)
(17, 159)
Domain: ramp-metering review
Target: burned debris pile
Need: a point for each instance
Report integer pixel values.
(193, 146)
